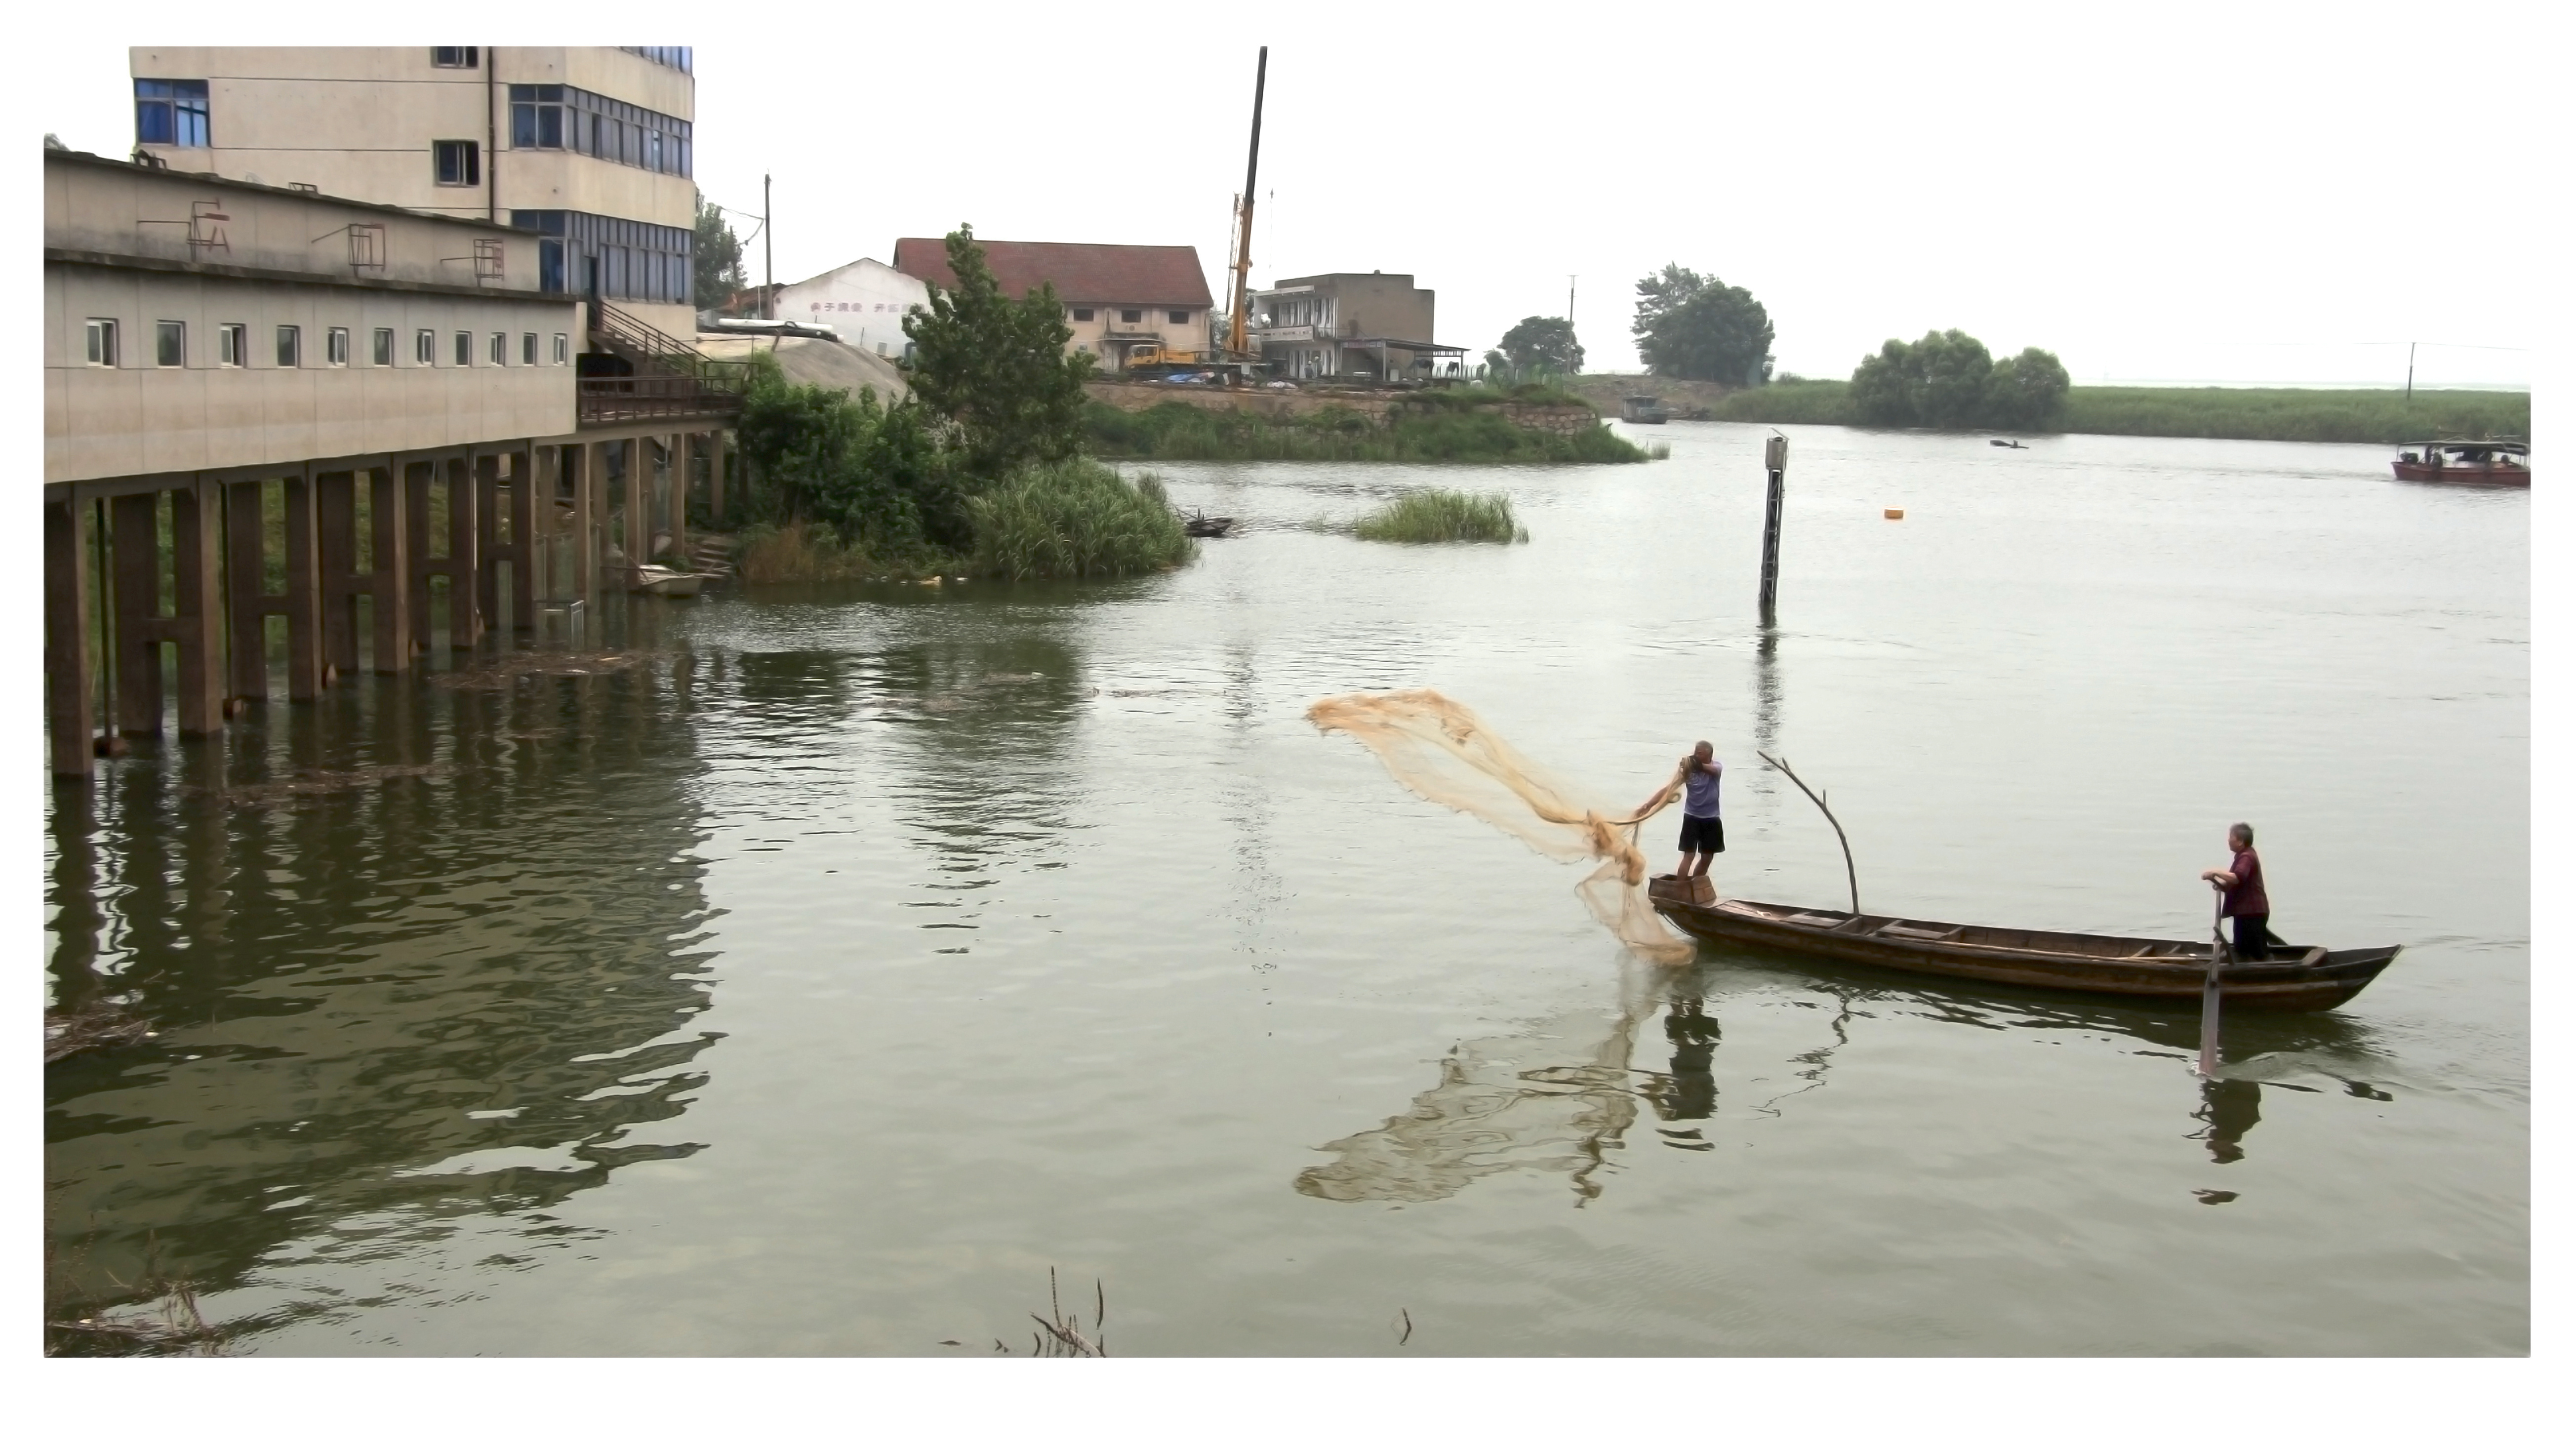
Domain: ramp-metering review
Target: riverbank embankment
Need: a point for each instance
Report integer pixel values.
(1465, 425)
(2268, 414)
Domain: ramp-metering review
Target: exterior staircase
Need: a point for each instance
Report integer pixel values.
(712, 556)
(634, 370)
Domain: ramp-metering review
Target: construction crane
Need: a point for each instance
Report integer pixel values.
(1238, 338)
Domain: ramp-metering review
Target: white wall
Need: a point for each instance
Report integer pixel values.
(865, 301)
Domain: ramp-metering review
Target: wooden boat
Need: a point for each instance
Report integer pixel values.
(2007, 443)
(666, 583)
(2451, 460)
(1199, 525)
(1644, 408)
(2297, 978)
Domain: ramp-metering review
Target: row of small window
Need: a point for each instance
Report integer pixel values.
(232, 346)
(1134, 314)
(557, 117)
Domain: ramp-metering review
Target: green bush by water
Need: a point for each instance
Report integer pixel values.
(1434, 433)
(1438, 515)
(1076, 519)
(2280, 414)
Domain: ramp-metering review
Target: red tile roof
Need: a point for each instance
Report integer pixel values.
(1089, 273)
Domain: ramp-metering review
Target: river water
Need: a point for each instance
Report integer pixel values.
(820, 967)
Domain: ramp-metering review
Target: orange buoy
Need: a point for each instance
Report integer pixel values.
(1896, 513)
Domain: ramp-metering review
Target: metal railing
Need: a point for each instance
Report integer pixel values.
(670, 378)
(653, 351)
(624, 399)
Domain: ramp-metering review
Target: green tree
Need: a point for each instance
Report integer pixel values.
(1693, 326)
(715, 256)
(1542, 347)
(997, 369)
(1939, 382)
(2026, 391)
(873, 471)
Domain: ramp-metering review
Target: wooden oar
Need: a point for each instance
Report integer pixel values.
(2209, 985)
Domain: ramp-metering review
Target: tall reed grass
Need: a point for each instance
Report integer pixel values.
(800, 553)
(1438, 515)
(1076, 519)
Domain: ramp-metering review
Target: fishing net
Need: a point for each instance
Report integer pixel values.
(1527, 1103)
(1438, 749)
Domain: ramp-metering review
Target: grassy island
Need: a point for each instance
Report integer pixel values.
(1440, 515)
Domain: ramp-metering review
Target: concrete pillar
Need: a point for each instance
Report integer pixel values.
(67, 677)
(716, 442)
(490, 502)
(591, 466)
(338, 583)
(246, 604)
(469, 483)
(418, 485)
(302, 603)
(391, 578)
(683, 447)
(637, 482)
(526, 545)
(196, 537)
(135, 551)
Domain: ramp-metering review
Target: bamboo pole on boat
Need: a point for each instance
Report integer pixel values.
(1850, 876)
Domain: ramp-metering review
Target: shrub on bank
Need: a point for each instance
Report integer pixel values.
(1076, 519)
(1438, 515)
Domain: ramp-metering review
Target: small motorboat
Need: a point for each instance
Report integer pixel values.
(1199, 525)
(1644, 408)
(2007, 443)
(2295, 978)
(665, 583)
(2498, 461)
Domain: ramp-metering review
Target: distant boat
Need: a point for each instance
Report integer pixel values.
(2002, 443)
(1199, 525)
(2463, 461)
(1644, 408)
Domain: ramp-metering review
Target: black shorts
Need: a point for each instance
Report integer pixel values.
(1703, 835)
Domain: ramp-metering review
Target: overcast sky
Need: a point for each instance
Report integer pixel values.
(2217, 193)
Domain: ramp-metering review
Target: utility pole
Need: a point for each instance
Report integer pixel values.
(1569, 302)
(1775, 462)
(768, 258)
(2410, 372)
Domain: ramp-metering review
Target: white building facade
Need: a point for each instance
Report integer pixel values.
(865, 302)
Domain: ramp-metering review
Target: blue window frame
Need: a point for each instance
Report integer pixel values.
(550, 271)
(171, 113)
(537, 117)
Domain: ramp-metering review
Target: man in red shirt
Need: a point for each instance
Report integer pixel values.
(2245, 902)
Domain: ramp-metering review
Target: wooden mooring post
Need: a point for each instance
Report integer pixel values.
(1775, 462)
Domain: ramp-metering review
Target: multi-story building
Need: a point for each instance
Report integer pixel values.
(217, 351)
(864, 301)
(1349, 325)
(1118, 300)
(590, 147)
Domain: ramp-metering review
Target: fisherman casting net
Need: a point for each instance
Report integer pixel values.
(1438, 749)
